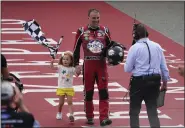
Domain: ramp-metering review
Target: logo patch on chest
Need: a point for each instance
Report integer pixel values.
(100, 33)
(95, 46)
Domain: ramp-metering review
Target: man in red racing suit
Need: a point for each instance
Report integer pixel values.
(94, 40)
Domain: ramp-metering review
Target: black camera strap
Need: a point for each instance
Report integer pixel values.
(149, 54)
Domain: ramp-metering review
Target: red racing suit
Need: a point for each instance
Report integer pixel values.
(94, 67)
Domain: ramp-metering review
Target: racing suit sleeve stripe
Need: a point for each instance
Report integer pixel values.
(76, 51)
(108, 39)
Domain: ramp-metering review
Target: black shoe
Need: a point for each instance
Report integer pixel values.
(106, 122)
(90, 121)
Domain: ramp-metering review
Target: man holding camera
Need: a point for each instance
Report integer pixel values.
(10, 96)
(146, 62)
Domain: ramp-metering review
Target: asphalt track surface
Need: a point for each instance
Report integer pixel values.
(30, 61)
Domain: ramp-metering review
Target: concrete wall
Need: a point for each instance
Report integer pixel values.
(165, 17)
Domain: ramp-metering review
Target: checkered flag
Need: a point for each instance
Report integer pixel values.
(54, 50)
(34, 30)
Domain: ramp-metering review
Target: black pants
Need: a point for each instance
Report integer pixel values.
(147, 93)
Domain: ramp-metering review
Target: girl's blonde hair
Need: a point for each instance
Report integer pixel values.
(69, 53)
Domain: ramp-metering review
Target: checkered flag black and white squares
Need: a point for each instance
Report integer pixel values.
(34, 30)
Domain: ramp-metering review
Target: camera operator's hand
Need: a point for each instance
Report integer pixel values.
(17, 92)
(18, 100)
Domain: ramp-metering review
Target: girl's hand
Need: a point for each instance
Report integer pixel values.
(52, 65)
(52, 60)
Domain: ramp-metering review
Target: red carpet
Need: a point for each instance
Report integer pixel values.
(31, 61)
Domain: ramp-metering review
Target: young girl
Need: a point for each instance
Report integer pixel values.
(65, 82)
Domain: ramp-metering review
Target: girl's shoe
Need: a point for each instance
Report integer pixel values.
(59, 116)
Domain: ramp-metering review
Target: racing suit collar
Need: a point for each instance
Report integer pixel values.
(94, 29)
